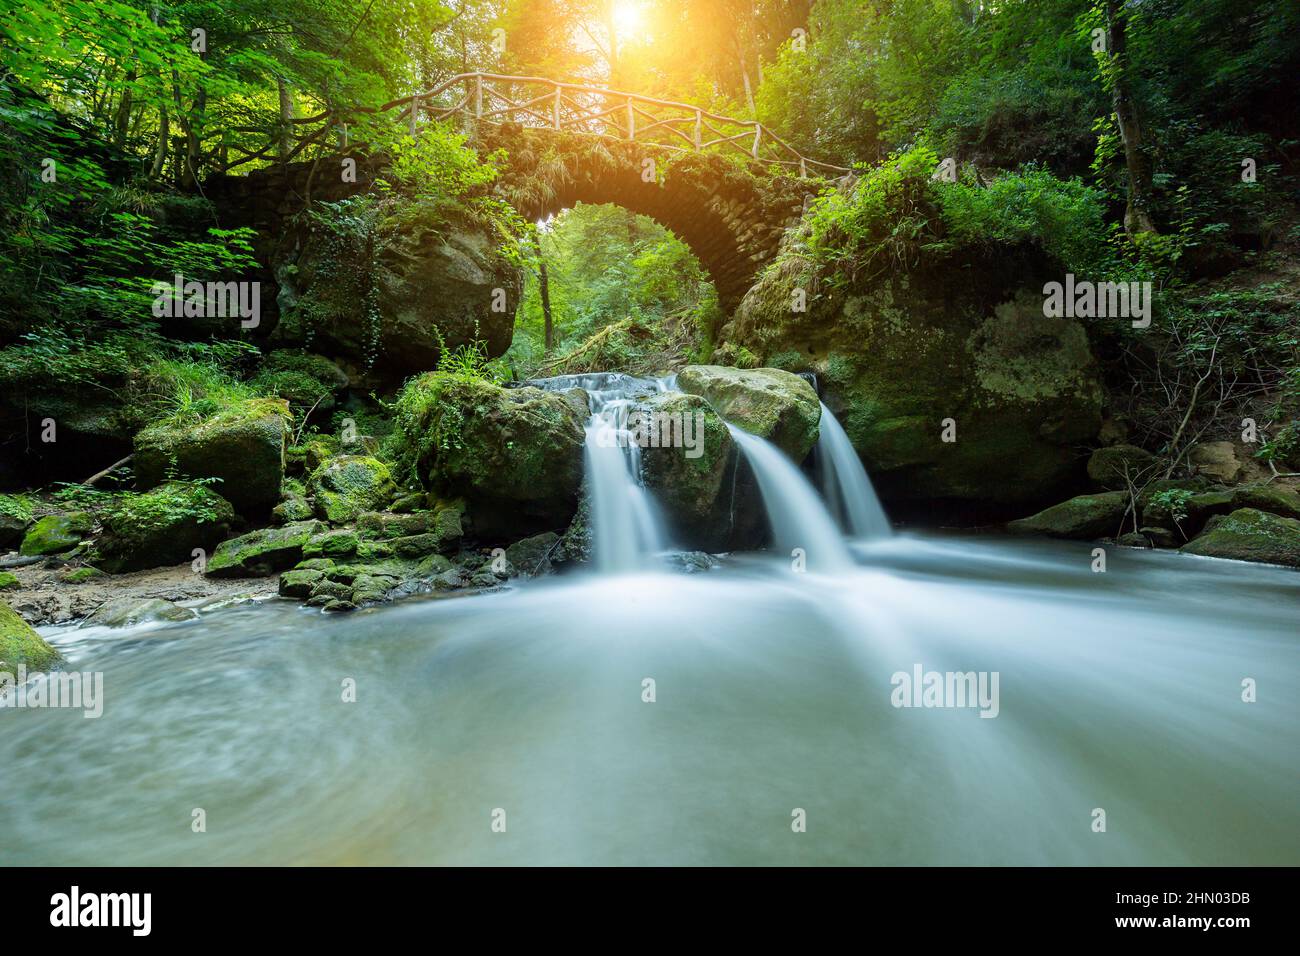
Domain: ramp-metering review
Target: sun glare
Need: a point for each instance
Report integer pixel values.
(629, 19)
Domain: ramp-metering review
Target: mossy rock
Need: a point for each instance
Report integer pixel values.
(514, 455)
(531, 557)
(243, 446)
(15, 517)
(82, 575)
(55, 534)
(162, 527)
(333, 544)
(1085, 517)
(8, 581)
(20, 644)
(901, 354)
(263, 552)
(345, 487)
(298, 583)
(772, 403)
(1271, 498)
(693, 491)
(1248, 534)
(1116, 466)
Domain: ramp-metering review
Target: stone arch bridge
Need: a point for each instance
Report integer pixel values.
(728, 188)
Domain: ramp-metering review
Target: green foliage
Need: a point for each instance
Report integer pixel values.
(16, 506)
(142, 514)
(1173, 501)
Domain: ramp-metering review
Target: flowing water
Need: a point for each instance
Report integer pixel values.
(626, 532)
(657, 718)
(845, 486)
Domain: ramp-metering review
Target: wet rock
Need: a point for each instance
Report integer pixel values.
(771, 403)
(1250, 535)
(531, 557)
(1084, 517)
(128, 612)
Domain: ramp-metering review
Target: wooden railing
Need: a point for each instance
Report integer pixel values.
(611, 114)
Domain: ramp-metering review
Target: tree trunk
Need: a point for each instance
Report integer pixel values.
(164, 134)
(122, 123)
(286, 114)
(544, 281)
(1137, 213)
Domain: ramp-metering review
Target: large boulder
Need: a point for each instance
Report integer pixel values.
(264, 551)
(243, 445)
(55, 534)
(162, 527)
(693, 487)
(15, 516)
(948, 378)
(421, 285)
(1249, 535)
(771, 403)
(515, 455)
(1086, 517)
(20, 644)
(349, 485)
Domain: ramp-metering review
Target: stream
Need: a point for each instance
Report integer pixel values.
(628, 714)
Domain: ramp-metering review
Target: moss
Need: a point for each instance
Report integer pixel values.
(346, 486)
(332, 544)
(771, 403)
(81, 575)
(20, 644)
(243, 446)
(8, 581)
(162, 527)
(1248, 534)
(263, 552)
(299, 583)
(1086, 517)
(55, 534)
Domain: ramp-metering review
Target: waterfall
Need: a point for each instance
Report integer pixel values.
(797, 516)
(625, 530)
(845, 484)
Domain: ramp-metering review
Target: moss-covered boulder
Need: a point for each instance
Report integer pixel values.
(346, 486)
(435, 285)
(1115, 467)
(1248, 534)
(693, 487)
(948, 378)
(532, 557)
(1085, 517)
(514, 455)
(771, 403)
(20, 644)
(1275, 499)
(263, 552)
(243, 445)
(161, 527)
(9, 582)
(55, 534)
(15, 516)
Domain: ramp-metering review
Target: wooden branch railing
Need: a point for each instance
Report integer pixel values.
(540, 103)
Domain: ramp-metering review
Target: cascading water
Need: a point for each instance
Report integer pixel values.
(797, 516)
(845, 484)
(626, 531)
